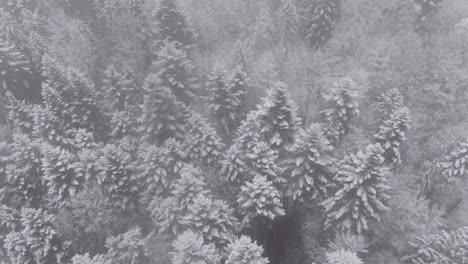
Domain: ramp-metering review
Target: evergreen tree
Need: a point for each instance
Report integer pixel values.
(290, 19)
(161, 167)
(62, 175)
(392, 133)
(175, 69)
(309, 165)
(117, 177)
(73, 100)
(172, 25)
(342, 257)
(245, 251)
(342, 108)
(128, 247)
(239, 83)
(20, 115)
(122, 96)
(35, 240)
(319, 18)
(278, 118)
(212, 218)
(189, 247)
(223, 103)
(190, 208)
(361, 191)
(259, 200)
(454, 163)
(23, 171)
(264, 32)
(201, 142)
(444, 247)
(163, 116)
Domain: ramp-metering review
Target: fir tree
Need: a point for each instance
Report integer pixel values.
(454, 163)
(172, 25)
(191, 207)
(342, 257)
(73, 100)
(263, 32)
(309, 165)
(212, 218)
(223, 103)
(290, 19)
(163, 116)
(117, 177)
(342, 108)
(122, 96)
(259, 200)
(23, 171)
(361, 191)
(16, 71)
(444, 247)
(189, 247)
(62, 175)
(161, 167)
(35, 241)
(175, 69)
(201, 142)
(245, 251)
(20, 115)
(128, 247)
(392, 133)
(239, 83)
(319, 18)
(278, 118)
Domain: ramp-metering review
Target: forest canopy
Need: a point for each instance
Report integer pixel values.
(233, 131)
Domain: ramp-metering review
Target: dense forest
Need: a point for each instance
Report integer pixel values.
(233, 131)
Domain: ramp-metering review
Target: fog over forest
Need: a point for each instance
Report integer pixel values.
(233, 131)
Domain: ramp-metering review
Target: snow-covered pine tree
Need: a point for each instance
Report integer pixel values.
(342, 257)
(259, 200)
(16, 7)
(234, 165)
(122, 97)
(160, 167)
(362, 192)
(290, 19)
(445, 247)
(62, 176)
(342, 108)
(308, 167)
(34, 240)
(23, 172)
(319, 18)
(192, 207)
(72, 98)
(201, 143)
(278, 118)
(239, 83)
(190, 248)
(16, 71)
(392, 133)
(175, 69)
(245, 251)
(454, 164)
(128, 247)
(172, 25)
(213, 218)
(263, 32)
(163, 115)
(222, 103)
(117, 177)
(20, 115)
